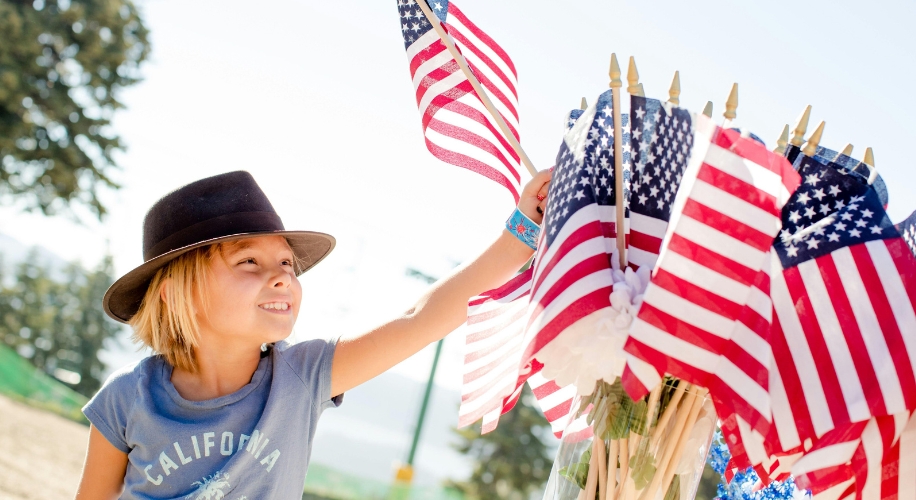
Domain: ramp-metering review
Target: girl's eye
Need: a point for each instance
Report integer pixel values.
(287, 263)
(248, 261)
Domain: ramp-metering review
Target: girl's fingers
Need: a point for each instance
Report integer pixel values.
(542, 193)
(537, 186)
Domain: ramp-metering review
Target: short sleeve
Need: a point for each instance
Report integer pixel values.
(110, 408)
(312, 361)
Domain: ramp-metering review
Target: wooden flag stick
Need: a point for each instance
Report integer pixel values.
(615, 85)
(801, 126)
(731, 106)
(583, 105)
(484, 97)
(815, 139)
(612, 469)
(707, 110)
(847, 150)
(632, 77)
(682, 440)
(783, 141)
(598, 449)
(674, 92)
(869, 158)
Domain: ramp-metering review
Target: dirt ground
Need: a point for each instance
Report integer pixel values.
(41, 454)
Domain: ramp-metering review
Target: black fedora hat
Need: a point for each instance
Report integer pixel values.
(224, 207)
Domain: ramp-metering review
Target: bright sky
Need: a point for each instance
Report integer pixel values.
(315, 99)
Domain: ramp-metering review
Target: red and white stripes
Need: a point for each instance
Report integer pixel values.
(725, 217)
(457, 127)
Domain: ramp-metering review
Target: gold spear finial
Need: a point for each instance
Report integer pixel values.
(801, 126)
(642, 91)
(814, 140)
(731, 105)
(869, 157)
(614, 73)
(632, 77)
(675, 91)
(783, 141)
(707, 110)
(583, 105)
(847, 150)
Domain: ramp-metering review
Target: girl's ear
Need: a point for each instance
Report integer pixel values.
(163, 290)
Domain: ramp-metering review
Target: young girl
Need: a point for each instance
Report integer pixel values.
(227, 408)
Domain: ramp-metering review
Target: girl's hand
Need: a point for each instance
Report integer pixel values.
(533, 200)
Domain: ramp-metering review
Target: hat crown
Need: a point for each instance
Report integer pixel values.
(225, 204)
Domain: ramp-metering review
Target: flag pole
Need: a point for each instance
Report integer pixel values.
(783, 141)
(484, 98)
(615, 85)
(731, 106)
(801, 126)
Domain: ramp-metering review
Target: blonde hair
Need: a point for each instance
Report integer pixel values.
(166, 320)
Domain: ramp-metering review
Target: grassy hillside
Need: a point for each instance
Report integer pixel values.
(21, 381)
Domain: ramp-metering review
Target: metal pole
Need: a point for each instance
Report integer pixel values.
(423, 406)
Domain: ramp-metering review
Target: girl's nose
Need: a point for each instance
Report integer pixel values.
(283, 279)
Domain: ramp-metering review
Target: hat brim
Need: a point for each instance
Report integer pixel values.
(123, 298)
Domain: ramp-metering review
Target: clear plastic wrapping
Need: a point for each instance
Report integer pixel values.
(614, 448)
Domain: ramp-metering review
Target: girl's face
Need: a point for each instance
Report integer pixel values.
(253, 291)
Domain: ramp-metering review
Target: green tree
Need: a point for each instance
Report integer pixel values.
(56, 323)
(62, 66)
(511, 462)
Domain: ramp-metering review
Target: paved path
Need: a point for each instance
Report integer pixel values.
(41, 454)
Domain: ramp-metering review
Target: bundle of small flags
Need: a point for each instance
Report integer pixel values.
(778, 282)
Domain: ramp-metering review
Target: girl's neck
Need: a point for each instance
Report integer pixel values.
(221, 370)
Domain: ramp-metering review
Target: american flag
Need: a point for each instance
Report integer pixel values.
(492, 383)
(661, 136)
(457, 127)
(853, 167)
(843, 289)
(692, 320)
(572, 275)
(835, 459)
(907, 229)
(862, 461)
(844, 164)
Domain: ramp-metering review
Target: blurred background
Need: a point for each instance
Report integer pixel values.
(106, 105)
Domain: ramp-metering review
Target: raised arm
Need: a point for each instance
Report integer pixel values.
(442, 309)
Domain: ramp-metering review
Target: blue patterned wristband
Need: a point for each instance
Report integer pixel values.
(523, 228)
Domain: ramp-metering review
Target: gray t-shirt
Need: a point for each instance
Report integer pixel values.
(252, 444)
